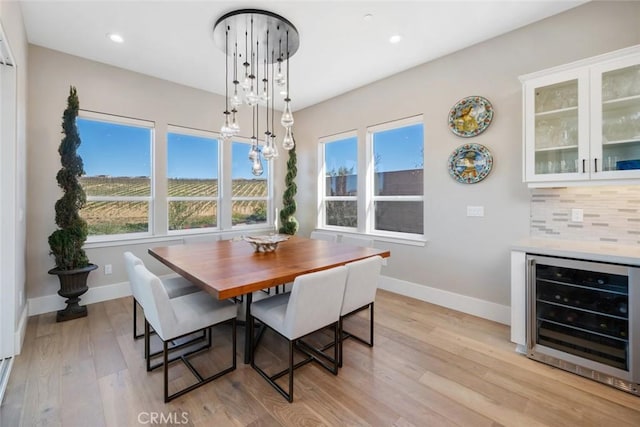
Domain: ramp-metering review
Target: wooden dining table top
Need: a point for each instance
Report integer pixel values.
(229, 268)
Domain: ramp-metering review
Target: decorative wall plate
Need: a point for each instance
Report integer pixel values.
(470, 116)
(470, 163)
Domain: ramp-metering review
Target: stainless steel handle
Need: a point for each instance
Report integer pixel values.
(529, 304)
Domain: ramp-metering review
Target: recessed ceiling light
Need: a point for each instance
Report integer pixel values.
(395, 38)
(116, 38)
(368, 17)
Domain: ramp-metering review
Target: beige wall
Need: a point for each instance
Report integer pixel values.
(11, 18)
(109, 90)
(464, 255)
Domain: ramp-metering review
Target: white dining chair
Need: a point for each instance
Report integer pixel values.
(356, 241)
(175, 286)
(314, 303)
(178, 317)
(323, 235)
(360, 294)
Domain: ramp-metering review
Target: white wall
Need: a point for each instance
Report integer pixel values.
(13, 179)
(468, 256)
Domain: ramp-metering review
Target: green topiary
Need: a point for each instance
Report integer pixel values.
(66, 242)
(287, 219)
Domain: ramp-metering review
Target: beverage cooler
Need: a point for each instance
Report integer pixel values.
(584, 317)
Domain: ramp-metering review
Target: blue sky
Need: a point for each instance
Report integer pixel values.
(396, 149)
(118, 150)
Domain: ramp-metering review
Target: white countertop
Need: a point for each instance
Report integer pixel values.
(592, 251)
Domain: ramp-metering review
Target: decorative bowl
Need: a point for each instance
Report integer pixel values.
(266, 243)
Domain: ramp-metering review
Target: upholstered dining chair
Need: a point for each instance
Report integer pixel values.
(314, 303)
(322, 235)
(360, 294)
(356, 241)
(175, 286)
(174, 318)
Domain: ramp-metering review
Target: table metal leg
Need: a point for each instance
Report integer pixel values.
(248, 330)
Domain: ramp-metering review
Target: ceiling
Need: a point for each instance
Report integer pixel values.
(339, 50)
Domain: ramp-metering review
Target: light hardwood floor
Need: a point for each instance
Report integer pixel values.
(430, 367)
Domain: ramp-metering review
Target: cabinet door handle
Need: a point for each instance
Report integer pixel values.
(583, 166)
(595, 165)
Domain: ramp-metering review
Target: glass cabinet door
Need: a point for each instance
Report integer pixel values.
(556, 128)
(616, 134)
(553, 133)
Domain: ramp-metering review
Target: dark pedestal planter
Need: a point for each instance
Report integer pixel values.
(73, 283)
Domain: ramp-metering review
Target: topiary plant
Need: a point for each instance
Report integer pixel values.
(72, 264)
(66, 242)
(287, 219)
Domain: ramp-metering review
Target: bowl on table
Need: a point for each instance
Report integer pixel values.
(266, 243)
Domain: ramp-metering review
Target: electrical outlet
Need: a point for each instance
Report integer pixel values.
(577, 215)
(108, 269)
(475, 210)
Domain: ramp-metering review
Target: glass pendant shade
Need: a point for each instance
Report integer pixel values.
(226, 130)
(256, 167)
(280, 79)
(288, 143)
(251, 98)
(267, 150)
(253, 151)
(234, 126)
(287, 116)
(236, 100)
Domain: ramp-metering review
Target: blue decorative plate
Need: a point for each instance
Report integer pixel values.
(470, 163)
(470, 116)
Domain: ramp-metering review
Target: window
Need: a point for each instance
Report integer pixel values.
(396, 158)
(116, 153)
(192, 179)
(339, 181)
(249, 193)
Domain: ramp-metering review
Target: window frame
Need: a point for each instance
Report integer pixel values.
(322, 182)
(371, 198)
(151, 199)
(182, 130)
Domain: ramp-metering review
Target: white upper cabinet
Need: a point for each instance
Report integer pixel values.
(582, 121)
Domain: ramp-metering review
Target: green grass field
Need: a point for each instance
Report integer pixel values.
(118, 217)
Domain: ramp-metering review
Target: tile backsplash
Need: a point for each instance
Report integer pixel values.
(611, 214)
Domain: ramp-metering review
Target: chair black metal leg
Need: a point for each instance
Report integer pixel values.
(248, 331)
(290, 396)
(165, 362)
(136, 335)
(146, 344)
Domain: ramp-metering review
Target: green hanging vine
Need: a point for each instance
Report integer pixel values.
(287, 219)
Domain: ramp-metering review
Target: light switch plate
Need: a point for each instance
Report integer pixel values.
(475, 210)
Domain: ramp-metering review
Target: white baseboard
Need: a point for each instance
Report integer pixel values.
(470, 305)
(21, 331)
(474, 306)
(49, 303)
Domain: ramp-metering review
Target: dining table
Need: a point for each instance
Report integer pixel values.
(228, 269)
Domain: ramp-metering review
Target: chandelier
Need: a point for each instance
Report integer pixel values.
(258, 44)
